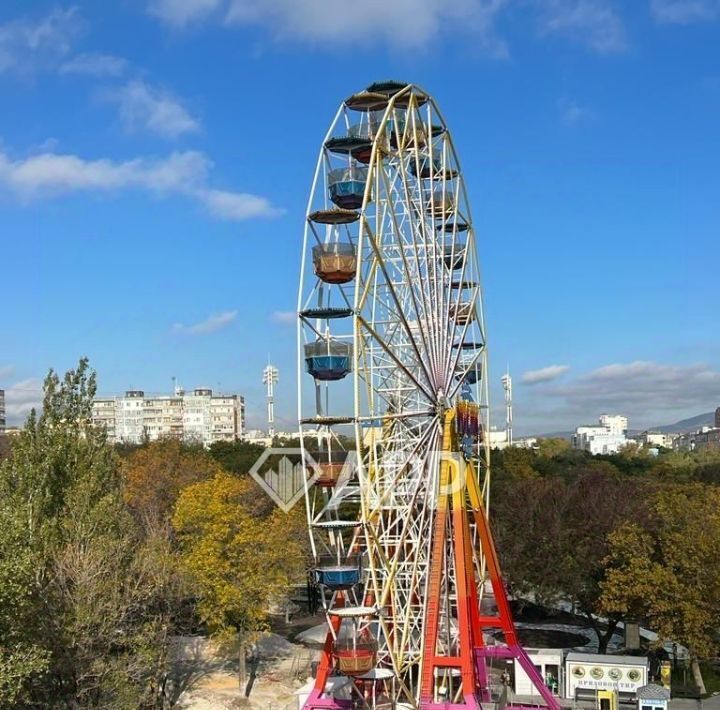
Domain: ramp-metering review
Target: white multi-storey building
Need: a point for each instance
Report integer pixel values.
(2, 411)
(615, 423)
(129, 416)
(200, 416)
(104, 413)
(606, 437)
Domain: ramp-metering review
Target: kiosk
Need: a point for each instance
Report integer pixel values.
(549, 664)
(588, 673)
(652, 697)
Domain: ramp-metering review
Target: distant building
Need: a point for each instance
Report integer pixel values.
(704, 438)
(684, 441)
(257, 436)
(197, 416)
(2, 411)
(707, 439)
(497, 438)
(654, 438)
(617, 424)
(606, 437)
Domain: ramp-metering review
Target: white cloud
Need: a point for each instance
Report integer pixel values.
(593, 23)
(53, 173)
(184, 173)
(284, 317)
(685, 12)
(179, 13)
(236, 205)
(20, 398)
(47, 44)
(572, 112)
(406, 23)
(544, 374)
(648, 391)
(409, 23)
(94, 64)
(209, 325)
(27, 45)
(147, 108)
(6, 371)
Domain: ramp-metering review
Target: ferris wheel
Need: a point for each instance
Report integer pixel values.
(393, 390)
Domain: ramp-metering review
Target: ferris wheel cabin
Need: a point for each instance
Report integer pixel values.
(328, 360)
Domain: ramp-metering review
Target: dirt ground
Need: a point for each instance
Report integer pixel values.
(204, 677)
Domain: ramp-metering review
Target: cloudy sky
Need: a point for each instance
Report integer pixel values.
(156, 155)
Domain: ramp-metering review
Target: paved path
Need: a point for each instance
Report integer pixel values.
(712, 703)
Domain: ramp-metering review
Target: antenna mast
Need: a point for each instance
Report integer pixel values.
(270, 377)
(507, 386)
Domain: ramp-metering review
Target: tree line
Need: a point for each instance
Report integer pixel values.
(106, 553)
(627, 537)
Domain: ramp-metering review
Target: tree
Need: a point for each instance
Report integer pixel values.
(154, 475)
(5, 448)
(239, 561)
(84, 600)
(669, 572)
(236, 457)
(549, 448)
(559, 553)
(514, 463)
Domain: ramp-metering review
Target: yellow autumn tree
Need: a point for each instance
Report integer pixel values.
(667, 570)
(154, 475)
(239, 561)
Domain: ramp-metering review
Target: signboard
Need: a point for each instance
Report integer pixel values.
(620, 674)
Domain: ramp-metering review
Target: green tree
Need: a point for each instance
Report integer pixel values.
(236, 456)
(84, 606)
(514, 463)
(552, 447)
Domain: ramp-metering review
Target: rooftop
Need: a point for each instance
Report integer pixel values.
(606, 659)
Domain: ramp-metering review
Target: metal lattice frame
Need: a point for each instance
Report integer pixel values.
(413, 314)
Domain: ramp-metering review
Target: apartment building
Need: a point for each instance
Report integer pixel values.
(199, 415)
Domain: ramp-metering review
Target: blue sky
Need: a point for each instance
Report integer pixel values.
(156, 158)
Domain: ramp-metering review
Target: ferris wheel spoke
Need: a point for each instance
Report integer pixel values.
(418, 273)
(394, 357)
(409, 274)
(400, 313)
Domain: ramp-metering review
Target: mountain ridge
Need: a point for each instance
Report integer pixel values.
(679, 427)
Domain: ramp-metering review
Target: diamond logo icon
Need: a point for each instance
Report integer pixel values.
(285, 482)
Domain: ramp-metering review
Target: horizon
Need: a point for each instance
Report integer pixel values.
(156, 164)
